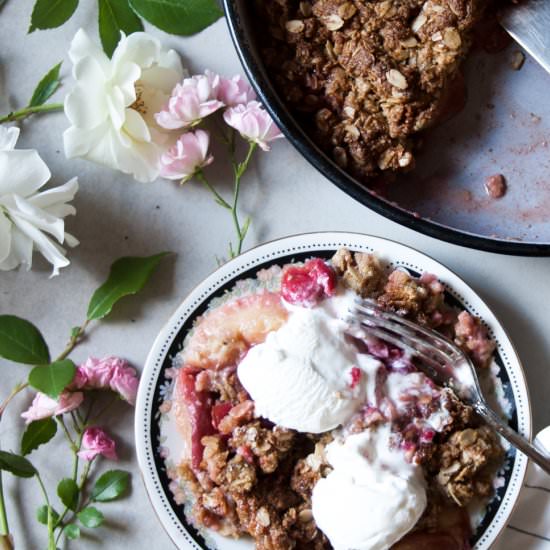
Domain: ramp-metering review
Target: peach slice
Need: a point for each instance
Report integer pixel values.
(225, 334)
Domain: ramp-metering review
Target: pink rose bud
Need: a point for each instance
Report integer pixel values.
(43, 406)
(195, 98)
(234, 91)
(186, 157)
(253, 123)
(125, 382)
(96, 442)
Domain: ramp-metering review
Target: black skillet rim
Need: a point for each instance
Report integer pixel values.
(317, 158)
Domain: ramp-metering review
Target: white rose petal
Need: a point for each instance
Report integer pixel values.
(112, 105)
(20, 252)
(30, 219)
(8, 138)
(22, 172)
(5, 237)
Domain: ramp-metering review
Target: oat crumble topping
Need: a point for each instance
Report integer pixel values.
(366, 77)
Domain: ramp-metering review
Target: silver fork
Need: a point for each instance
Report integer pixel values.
(444, 362)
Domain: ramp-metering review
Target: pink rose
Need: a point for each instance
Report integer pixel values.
(96, 442)
(195, 98)
(253, 123)
(79, 381)
(234, 91)
(186, 157)
(109, 373)
(125, 382)
(95, 374)
(43, 406)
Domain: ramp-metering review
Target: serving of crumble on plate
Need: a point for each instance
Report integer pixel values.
(241, 444)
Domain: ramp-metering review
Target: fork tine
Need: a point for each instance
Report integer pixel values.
(430, 365)
(441, 340)
(403, 331)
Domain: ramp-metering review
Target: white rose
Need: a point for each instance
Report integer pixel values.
(27, 216)
(112, 106)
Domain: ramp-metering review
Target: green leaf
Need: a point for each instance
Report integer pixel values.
(75, 331)
(127, 276)
(49, 14)
(90, 517)
(116, 16)
(21, 341)
(72, 531)
(54, 378)
(110, 486)
(46, 87)
(17, 465)
(36, 434)
(67, 491)
(183, 17)
(42, 515)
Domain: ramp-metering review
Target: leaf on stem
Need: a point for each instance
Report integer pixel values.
(75, 331)
(245, 227)
(54, 378)
(37, 433)
(110, 486)
(17, 465)
(72, 531)
(91, 517)
(127, 276)
(21, 341)
(49, 14)
(67, 491)
(182, 17)
(116, 16)
(42, 515)
(46, 87)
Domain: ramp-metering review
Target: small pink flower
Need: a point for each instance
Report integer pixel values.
(253, 123)
(234, 91)
(43, 406)
(125, 382)
(96, 374)
(195, 98)
(79, 381)
(96, 442)
(109, 373)
(186, 157)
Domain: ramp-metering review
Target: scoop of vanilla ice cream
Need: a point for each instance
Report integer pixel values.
(372, 498)
(300, 377)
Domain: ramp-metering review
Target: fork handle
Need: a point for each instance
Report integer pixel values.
(538, 456)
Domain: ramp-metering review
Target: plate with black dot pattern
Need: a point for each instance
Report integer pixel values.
(507, 368)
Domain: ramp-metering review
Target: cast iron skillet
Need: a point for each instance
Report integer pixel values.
(240, 27)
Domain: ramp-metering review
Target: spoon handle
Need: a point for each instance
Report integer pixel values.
(539, 457)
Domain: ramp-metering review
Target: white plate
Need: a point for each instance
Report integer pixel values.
(299, 247)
